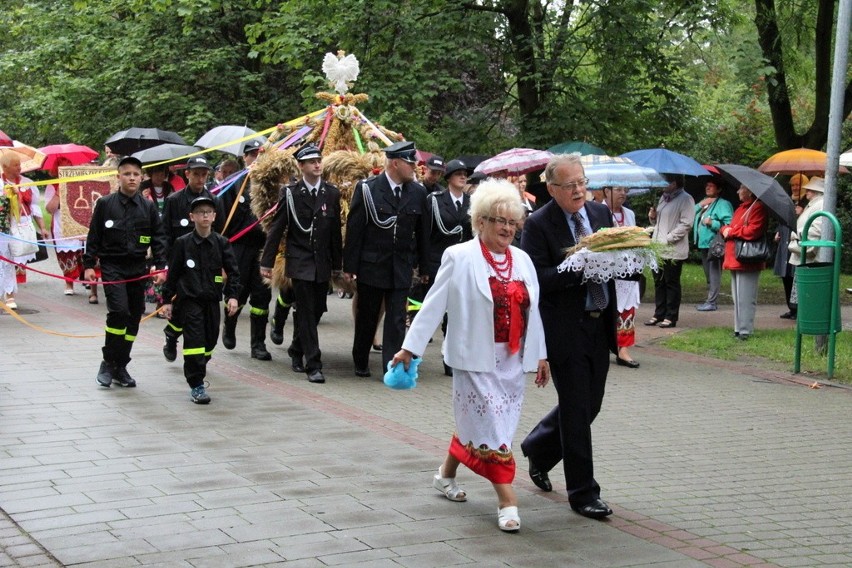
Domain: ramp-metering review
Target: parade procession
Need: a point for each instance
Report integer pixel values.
(281, 344)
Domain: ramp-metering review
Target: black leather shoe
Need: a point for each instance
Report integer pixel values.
(316, 377)
(627, 363)
(362, 372)
(788, 315)
(596, 509)
(296, 364)
(539, 477)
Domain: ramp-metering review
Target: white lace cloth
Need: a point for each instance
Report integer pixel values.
(608, 265)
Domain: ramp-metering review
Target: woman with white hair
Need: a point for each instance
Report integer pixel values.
(489, 290)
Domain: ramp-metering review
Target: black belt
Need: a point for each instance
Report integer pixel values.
(594, 314)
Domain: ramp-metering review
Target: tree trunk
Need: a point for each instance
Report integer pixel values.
(522, 40)
(778, 96)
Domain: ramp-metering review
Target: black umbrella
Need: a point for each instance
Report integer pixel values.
(766, 189)
(164, 153)
(471, 161)
(134, 139)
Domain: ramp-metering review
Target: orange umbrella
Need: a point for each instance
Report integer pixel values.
(799, 160)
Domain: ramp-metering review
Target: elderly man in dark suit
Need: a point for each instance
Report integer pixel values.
(308, 219)
(579, 324)
(387, 235)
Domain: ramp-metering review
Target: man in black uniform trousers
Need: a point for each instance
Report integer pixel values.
(387, 235)
(308, 219)
(449, 220)
(124, 225)
(234, 216)
(579, 326)
(177, 223)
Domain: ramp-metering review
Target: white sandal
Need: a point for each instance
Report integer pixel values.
(449, 487)
(508, 519)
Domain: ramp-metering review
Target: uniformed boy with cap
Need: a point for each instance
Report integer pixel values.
(237, 221)
(124, 226)
(178, 222)
(436, 168)
(195, 282)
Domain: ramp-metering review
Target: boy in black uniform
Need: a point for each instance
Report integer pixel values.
(195, 277)
(124, 225)
(236, 221)
(178, 222)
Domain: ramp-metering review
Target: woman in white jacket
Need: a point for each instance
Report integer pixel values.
(489, 291)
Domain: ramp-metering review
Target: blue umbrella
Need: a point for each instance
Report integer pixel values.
(666, 162)
(582, 148)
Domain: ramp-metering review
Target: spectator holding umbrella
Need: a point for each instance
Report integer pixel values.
(748, 223)
(782, 267)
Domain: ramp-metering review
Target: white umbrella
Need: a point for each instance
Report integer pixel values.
(229, 139)
(517, 161)
(608, 171)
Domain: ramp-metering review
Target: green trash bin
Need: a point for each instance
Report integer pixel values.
(816, 290)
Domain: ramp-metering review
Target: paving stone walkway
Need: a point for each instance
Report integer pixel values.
(705, 463)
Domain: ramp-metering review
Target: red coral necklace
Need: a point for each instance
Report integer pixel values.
(502, 269)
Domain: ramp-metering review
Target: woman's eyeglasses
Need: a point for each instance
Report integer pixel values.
(502, 221)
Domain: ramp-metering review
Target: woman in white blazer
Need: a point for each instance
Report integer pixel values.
(489, 291)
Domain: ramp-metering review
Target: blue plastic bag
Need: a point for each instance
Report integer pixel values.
(398, 378)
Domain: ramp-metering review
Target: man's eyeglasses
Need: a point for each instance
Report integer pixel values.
(502, 221)
(203, 212)
(572, 185)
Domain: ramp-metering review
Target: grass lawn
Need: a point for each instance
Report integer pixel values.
(775, 347)
(771, 288)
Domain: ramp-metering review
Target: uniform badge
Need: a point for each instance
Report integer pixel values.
(109, 224)
(184, 222)
(190, 263)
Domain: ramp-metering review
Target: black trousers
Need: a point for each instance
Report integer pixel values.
(200, 334)
(253, 289)
(367, 318)
(565, 433)
(125, 306)
(310, 306)
(667, 292)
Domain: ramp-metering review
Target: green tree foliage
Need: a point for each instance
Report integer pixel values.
(82, 70)
(457, 76)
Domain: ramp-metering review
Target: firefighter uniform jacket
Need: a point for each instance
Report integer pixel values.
(386, 238)
(121, 231)
(176, 221)
(313, 241)
(195, 269)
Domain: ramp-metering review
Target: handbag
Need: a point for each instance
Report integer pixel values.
(25, 241)
(717, 247)
(752, 252)
(41, 254)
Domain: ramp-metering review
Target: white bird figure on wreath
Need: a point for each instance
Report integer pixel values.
(340, 70)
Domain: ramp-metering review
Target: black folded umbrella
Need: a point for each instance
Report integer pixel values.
(134, 139)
